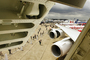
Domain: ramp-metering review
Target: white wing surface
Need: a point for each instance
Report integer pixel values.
(70, 32)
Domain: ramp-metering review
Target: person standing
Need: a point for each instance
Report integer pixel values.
(33, 37)
(31, 40)
(40, 42)
(27, 41)
(9, 51)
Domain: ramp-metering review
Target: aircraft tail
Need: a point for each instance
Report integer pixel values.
(76, 21)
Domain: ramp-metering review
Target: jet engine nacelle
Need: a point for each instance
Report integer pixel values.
(55, 33)
(61, 48)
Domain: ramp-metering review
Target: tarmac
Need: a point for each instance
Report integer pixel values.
(32, 49)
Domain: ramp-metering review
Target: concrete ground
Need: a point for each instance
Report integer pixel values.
(34, 51)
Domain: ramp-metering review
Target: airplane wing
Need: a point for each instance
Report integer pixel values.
(70, 32)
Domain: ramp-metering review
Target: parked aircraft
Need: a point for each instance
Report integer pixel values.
(80, 23)
(73, 22)
(79, 28)
(74, 25)
(69, 22)
(49, 21)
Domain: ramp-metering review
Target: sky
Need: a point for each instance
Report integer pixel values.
(60, 11)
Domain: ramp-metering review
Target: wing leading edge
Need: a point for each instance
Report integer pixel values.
(73, 34)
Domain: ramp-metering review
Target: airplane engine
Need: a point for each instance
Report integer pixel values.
(55, 33)
(61, 48)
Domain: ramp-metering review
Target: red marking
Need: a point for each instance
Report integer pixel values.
(80, 30)
(76, 27)
(71, 21)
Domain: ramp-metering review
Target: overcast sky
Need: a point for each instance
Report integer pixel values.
(67, 12)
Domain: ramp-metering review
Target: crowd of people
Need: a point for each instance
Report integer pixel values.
(37, 36)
